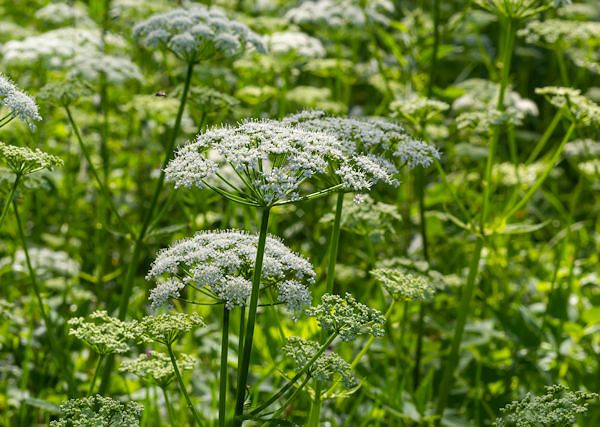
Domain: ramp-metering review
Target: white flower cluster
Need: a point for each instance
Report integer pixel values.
(221, 263)
(89, 64)
(576, 39)
(266, 162)
(482, 96)
(197, 33)
(327, 13)
(582, 109)
(295, 295)
(17, 103)
(295, 42)
(59, 13)
(47, 262)
(590, 168)
(508, 174)
(560, 32)
(369, 141)
(339, 14)
(54, 47)
(582, 149)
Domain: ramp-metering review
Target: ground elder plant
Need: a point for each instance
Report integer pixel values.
(325, 212)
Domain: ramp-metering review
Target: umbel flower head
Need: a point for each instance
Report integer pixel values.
(347, 317)
(366, 217)
(55, 47)
(157, 367)
(374, 138)
(519, 9)
(582, 110)
(479, 111)
(576, 39)
(561, 33)
(103, 333)
(17, 104)
(197, 33)
(559, 406)
(418, 108)
(58, 13)
(339, 14)
(64, 92)
(166, 328)
(327, 367)
(25, 161)
(268, 163)
(89, 64)
(98, 411)
(582, 149)
(220, 264)
(404, 285)
(47, 263)
(295, 43)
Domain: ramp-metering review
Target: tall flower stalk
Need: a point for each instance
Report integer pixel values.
(508, 33)
(265, 164)
(511, 13)
(192, 35)
(246, 353)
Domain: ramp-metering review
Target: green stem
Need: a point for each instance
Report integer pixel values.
(182, 385)
(93, 383)
(423, 230)
(334, 243)
(314, 415)
(223, 368)
(137, 247)
(9, 198)
(170, 411)
(95, 174)
(468, 292)
(291, 382)
(244, 356)
(404, 325)
(545, 136)
(436, 44)
(564, 76)
(292, 396)
(52, 337)
(334, 240)
(506, 60)
(459, 328)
